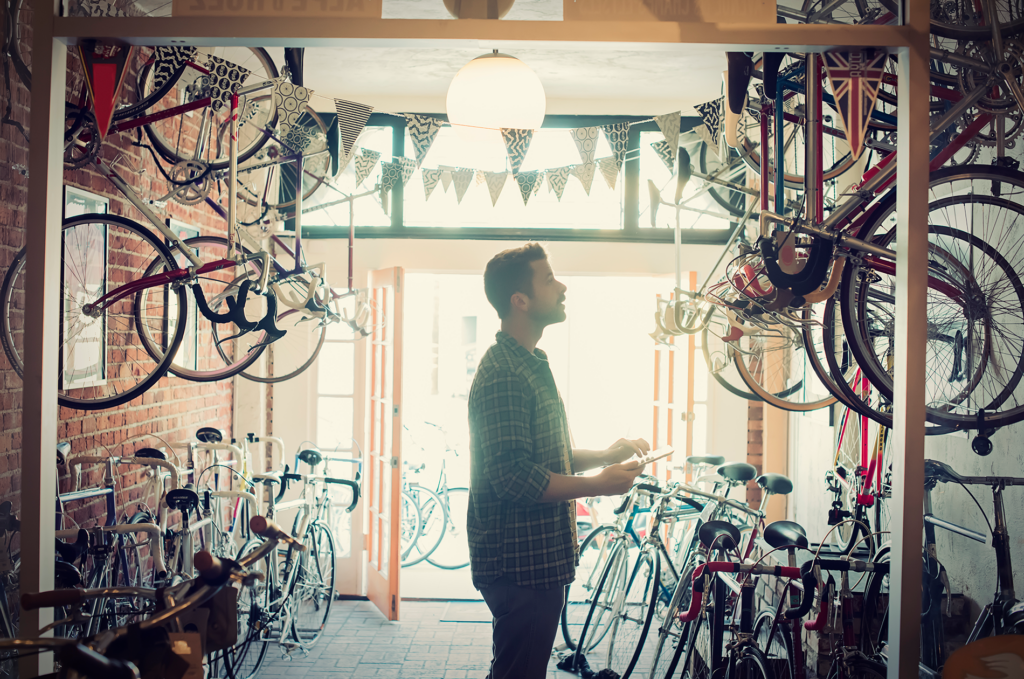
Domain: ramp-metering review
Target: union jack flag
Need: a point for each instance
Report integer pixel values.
(855, 79)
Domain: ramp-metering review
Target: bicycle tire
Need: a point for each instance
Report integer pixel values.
(288, 320)
(143, 105)
(717, 371)
(663, 656)
(733, 202)
(751, 664)
(314, 589)
(20, 47)
(454, 534)
(971, 28)
(857, 668)
(633, 623)
(588, 570)
(688, 658)
(129, 263)
(411, 524)
(873, 628)
(433, 524)
(774, 639)
(245, 658)
(598, 621)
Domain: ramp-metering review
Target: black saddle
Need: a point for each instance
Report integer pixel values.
(940, 471)
(737, 472)
(712, 460)
(721, 534)
(185, 499)
(63, 450)
(151, 453)
(209, 435)
(311, 456)
(785, 533)
(65, 575)
(72, 552)
(776, 484)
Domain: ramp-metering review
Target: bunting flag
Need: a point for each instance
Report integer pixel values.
(297, 138)
(408, 166)
(480, 178)
(462, 177)
(105, 73)
(365, 164)
(352, 118)
(528, 183)
(539, 182)
(225, 79)
(422, 130)
(617, 136)
(608, 170)
(290, 101)
(711, 114)
(661, 148)
(586, 143)
(558, 178)
(390, 175)
(169, 60)
(517, 143)
(446, 176)
(702, 133)
(96, 8)
(669, 126)
(495, 183)
(855, 78)
(430, 180)
(585, 173)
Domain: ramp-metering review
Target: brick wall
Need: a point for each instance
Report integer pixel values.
(755, 447)
(172, 409)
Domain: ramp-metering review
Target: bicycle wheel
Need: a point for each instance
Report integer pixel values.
(633, 615)
(244, 659)
(671, 632)
(600, 616)
(103, 359)
(433, 524)
(199, 359)
(594, 554)
(733, 170)
(874, 626)
(963, 19)
(693, 660)
(295, 352)
(774, 639)
(719, 358)
(751, 664)
(857, 668)
(975, 349)
(313, 590)
(412, 524)
(453, 552)
(203, 135)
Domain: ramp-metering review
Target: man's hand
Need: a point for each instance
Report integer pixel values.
(617, 479)
(623, 449)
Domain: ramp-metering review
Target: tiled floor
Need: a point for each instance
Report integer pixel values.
(359, 642)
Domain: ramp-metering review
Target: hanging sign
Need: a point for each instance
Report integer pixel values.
(343, 9)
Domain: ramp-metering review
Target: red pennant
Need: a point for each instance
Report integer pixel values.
(105, 74)
(855, 78)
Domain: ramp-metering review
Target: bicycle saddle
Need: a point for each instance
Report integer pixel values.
(311, 457)
(776, 484)
(785, 533)
(152, 453)
(737, 472)
(72, 552)
(940, 471)
(65, 575)
(209, 435)
(63, 450)
(721, 534)
(710, 460)
(185, 499)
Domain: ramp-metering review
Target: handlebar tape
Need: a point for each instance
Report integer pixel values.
(810, 585)
(57, 597)
(351, 484)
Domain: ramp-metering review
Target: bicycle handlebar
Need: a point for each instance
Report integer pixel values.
(31, 601)
(286, 477)
(208, 566)
(628, 498)
(729, 567)
(810, 585)
(267, 528)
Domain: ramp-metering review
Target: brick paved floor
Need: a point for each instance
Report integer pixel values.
(358, 642)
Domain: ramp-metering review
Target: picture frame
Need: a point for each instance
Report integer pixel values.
(188, 352)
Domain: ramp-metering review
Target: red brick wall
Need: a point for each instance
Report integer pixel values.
(755, 448)
(174, 408)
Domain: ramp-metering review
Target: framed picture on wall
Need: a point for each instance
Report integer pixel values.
(188, 352)
(83, 280)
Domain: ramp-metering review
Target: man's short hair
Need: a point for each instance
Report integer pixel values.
(510, 272)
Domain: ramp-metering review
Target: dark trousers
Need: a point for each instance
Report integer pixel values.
(524, 628)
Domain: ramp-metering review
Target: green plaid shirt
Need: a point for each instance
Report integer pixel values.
(518, 434)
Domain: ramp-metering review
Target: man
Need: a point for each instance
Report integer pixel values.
(522, 518)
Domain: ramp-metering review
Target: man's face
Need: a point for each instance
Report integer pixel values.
(547, 304)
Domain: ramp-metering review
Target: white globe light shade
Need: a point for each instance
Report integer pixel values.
(496, 91)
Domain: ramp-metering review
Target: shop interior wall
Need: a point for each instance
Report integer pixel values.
(174, 408)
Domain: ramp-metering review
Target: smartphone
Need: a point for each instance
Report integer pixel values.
(655, 455)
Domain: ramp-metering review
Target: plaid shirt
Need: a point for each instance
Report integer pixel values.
(518, 434)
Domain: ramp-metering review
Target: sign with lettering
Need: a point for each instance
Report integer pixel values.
(346, 9)
(697, 11)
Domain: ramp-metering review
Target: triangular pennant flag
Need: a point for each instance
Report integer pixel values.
(96, 8)
(408, 166)
(585, 173)
(608, 170)
(495, 183)
(169, 60)
(105, 74)
(352, 118)
(711, 114)
(586, 143)
(290, 101)
(390, 175)
(462, 178)
(528, 183)
(422, 130)
(617, 136)
(855, 78)
(365, 164)
(539, 182)
(225, 79)
(480, 178)
(669, 126)
(343, 162)
(446, 176)
(558, 178)
(702, 133)
(517, 143)
(298, 138)
(430, 180)
(661, 148)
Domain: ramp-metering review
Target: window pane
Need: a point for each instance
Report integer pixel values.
(333, 422)
(367, 210)
(335, 368)
(653, 168)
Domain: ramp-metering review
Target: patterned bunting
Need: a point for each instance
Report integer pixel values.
(225, 79)
(298, 138)
(446, 176)
(711, 114)
(617, 136)
(390, 175)
(702, 133)
(669, 126)
(586, 143)
(585, 173)
(558, 178)
(462, 177)
(290, 101)
(480, 178)
(365, 164)
(661, 148)
(430, 180)
(352, 117)
(495, 183)
(422, 131)
(517, 143)
(408, 166)
(539, 183)
(855, 78)
(528, 183)
(169, 60)
(608, 170)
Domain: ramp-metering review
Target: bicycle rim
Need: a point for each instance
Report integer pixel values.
(411, 525)
(671, 632)
(735, 202)
(244, 659)
(599, 617)
(719, 360)
(594, 554)
(453, 551)
(959, 19)
(294, 353)
(751, 664)
(635, 613)
(313, 591)
(775, 642)
(433, 524)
